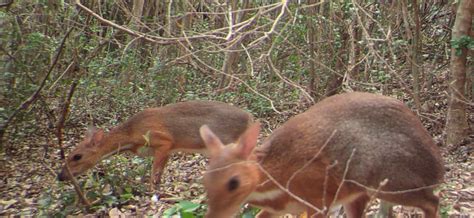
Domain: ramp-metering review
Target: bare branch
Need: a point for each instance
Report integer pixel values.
(311, 160)
(289, 82)
(346, 170)
(296, 197)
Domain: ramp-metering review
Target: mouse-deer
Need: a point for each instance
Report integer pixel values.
(157, 132)
(345, 150)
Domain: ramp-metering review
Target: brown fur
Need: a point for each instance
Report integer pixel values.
(171, 128)
(387, 141)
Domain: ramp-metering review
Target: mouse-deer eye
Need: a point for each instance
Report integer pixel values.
(76, 157)
(233, 183)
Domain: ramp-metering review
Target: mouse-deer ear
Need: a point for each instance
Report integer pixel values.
(91, 130)
(248, 140)
(212, 142)
(93, 136)
(98, 135)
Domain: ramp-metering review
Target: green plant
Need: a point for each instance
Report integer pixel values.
(185, 209)
(57, 205)
(444, 211)
(462, 42)
(250, 212)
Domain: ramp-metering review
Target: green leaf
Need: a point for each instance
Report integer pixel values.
(110, 200)
(250, 212)
(186, 214)
(170, 211)
(126, 197)
(460, 43)
(187, 206)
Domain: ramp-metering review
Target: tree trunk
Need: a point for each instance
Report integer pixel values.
(137, 13)
(417, 63)
(231, 58)
(313, 37)
(355, 36)
(335, 83)
(456, 120)
(413, 38)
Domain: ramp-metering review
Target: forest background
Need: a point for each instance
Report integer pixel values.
(66, 65)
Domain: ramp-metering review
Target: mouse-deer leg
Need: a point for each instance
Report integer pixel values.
(162, 147)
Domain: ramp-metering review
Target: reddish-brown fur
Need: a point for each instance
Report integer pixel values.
(362, 139)
(174, 127)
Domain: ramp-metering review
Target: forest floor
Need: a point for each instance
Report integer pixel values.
(26, 174)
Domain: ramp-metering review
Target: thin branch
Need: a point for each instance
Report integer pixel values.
(272, 179)
(8, 54)
(289, 82)
(346, 170)
(392, 192)
(280, 186)
(77, 187)
(283, 5)
(326, 180)
(373, 196)
(311, 160)
(64, 114)
(59, 134)
(252, 73)
(68, 68)
(231, 22)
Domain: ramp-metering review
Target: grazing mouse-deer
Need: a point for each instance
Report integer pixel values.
(157, 132)
(345, 150)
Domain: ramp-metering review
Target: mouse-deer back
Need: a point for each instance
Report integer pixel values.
(157, 132)
(344, 150)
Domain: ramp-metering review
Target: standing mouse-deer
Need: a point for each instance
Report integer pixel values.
(157, 132)
(345, 150)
